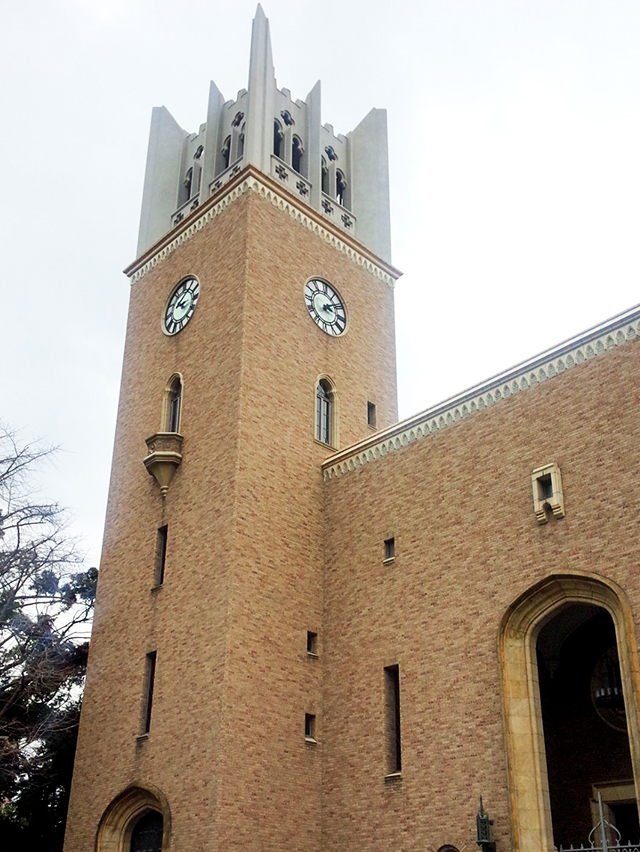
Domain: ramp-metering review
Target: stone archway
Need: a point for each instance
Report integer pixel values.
(524, 735)
(118, 820)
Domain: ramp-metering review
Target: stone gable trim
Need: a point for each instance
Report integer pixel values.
(250, 179)
(548, 365)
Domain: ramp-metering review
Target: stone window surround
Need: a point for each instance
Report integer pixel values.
(553, 503)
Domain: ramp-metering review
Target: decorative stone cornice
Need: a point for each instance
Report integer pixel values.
(251, 179)
(548, 365)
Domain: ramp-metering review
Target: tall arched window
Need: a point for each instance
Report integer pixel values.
(278, 139)
(296, 154)
(325, 176)
(175, 400)
(325, 413)
(146, 835)
(172, 404)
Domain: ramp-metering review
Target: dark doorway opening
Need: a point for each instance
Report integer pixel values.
(585, 732)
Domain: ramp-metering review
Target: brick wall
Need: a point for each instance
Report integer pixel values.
(243, 578)
(459, 505)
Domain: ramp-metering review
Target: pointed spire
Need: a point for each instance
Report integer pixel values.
(261, 87)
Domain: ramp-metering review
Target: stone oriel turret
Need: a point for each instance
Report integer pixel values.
(345, 178)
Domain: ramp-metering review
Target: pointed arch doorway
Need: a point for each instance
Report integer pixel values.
(556, 642)
(138, 820)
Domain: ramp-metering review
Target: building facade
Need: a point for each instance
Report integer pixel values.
(317, 628)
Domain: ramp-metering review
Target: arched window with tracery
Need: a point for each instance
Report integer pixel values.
(278, 139)
(146, 835)
(296, 154)
(326, 413)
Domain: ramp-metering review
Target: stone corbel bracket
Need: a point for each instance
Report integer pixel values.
(546, 482)
(165, 456)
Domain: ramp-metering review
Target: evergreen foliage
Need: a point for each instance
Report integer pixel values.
(46, 602)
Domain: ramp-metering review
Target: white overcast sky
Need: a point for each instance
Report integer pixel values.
(514, 139)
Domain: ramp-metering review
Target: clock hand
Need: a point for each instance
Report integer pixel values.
(329, 305)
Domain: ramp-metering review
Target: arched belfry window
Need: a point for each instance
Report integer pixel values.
(172, 404)
(241, 143)
(188, 183)
(196, 172)
(296, 154)
(325, 176)
(326, 413)
(226, 153)
(341, 188)
(278, 139)
(146, 835)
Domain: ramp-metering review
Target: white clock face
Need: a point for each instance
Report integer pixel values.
(181, 305)
(325, 307)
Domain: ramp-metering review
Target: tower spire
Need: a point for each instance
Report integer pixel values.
(261, 87)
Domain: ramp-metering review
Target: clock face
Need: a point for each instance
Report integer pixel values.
(325, 306)
(181, 305)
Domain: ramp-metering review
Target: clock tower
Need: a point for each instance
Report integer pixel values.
(260, 341)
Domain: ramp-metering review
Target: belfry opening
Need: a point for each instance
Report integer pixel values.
(585, 727)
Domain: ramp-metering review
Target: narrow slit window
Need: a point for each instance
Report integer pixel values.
(389, 549)
(371, 414)
(161, 553)
(310, 727)
(392, 700)
(312, 643)
(150, 674)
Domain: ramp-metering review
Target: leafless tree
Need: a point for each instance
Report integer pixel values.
(46, 603)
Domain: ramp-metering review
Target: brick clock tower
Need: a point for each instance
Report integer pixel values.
(260, 341)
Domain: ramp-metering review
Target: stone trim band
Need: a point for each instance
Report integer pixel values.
(249, 179)
(595, 341)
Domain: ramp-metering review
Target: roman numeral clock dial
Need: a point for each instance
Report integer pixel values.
(181, 305)
(325, 306)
